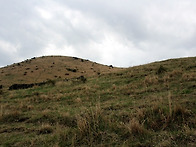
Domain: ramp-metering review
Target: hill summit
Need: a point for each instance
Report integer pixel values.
(36, 70)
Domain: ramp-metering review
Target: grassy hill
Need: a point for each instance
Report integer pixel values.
(147, 105)
(44, 68)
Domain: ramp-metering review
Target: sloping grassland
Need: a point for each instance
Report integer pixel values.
(148, 105)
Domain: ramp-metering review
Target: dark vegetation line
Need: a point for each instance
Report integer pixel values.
(48, 82)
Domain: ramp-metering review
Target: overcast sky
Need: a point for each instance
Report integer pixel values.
(118, 32)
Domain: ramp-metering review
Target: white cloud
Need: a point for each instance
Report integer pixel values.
(8, 47)
(44, 13)
(51, 49)
(8, 52)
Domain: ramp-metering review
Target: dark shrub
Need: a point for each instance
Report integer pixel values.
(111, 66)
(82, 78)
(161, 70)
(75, 58)
(72, 70)
(20, 86)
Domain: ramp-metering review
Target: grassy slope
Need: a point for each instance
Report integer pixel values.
(148, 105)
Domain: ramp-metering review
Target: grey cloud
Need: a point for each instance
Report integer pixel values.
(129, 18)
(5, 59)
(123, 33)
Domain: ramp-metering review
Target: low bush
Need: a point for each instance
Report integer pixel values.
(161, 70)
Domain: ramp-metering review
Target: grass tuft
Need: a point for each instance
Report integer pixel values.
(136, 128)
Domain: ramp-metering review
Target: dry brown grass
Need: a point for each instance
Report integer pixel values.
(82, 124)
(45, 112)
(24, 106)
(11, 116)
(58, 96)
(114, 87)
(170, 104)
(1, 111)
(45, 129)
(135, 127)
(78, 100)
(170, 76)
(140, 113)
(65, 114)
(175, 73)
(91, 126)
(45, 97)
(181, 111)
(151, 80)
(60, 84)
(189, 76)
